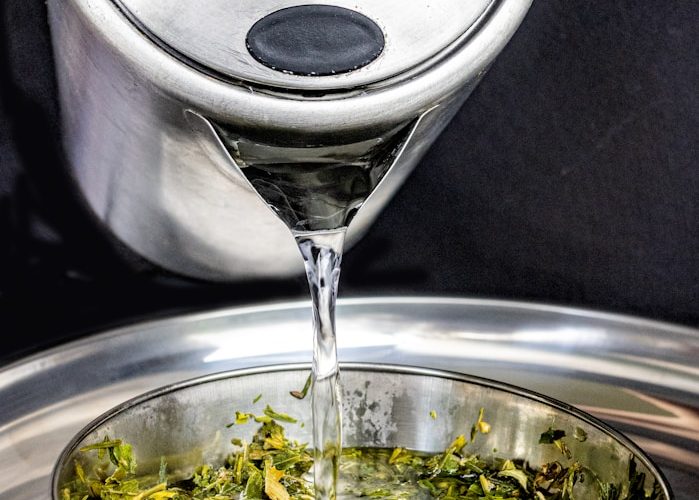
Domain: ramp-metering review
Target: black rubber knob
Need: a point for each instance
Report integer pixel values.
(315, 40)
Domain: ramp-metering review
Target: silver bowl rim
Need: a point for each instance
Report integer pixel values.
(637, 452)
(117, 330)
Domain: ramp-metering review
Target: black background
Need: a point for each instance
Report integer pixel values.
(569, 177)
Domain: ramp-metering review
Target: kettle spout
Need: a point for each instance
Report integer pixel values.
(208, 139)
(310, 187)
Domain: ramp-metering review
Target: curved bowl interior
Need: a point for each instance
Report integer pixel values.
(384, 406)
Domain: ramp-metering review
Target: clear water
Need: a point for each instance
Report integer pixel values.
(317, 188)
(368, 475)
(322, 254)
(317, 191)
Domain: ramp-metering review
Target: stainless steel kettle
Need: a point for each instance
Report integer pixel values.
(163, 103)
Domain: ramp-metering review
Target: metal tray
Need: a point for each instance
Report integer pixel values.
(641, 377)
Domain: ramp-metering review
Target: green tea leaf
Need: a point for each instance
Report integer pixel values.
(254, 486)
(282, 417)
(551, 435)
(519, 475)
(480, 426)
(303, 392)
(580, 434)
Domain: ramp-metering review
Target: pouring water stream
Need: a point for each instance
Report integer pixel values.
(322, 254)
(317, 201)
(316, 191)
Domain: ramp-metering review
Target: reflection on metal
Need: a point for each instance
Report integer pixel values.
(635, 375)
(684, 458)
(128, 69)
(673, 419)
(386, 406)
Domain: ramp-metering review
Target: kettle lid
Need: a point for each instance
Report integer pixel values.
(315, 45)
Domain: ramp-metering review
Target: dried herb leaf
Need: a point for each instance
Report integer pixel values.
(580, 434)
(282, 417)
(551, 435)
(480, 425)
(303, 392)
(273, 467)
(273, 488)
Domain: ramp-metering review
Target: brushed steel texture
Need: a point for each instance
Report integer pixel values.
(144, 173)
(384, 406)
(212, 34)
(639, 376)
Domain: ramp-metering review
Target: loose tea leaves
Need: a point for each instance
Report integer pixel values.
(272, 466)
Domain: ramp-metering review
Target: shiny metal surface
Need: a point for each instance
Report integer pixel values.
(145, 174)
(385, 407)
(213, 34)
(638, 376)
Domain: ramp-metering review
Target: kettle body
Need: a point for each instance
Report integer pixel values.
(153, 111)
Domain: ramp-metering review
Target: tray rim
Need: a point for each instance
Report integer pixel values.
(574, 411)
(240, 310)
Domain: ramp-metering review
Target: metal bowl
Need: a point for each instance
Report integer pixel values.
(385, 406)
